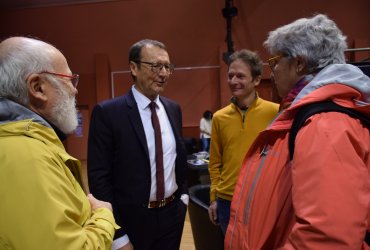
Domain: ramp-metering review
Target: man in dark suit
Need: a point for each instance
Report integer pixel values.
(123, 155)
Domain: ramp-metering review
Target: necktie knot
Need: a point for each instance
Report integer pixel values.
(152, 106)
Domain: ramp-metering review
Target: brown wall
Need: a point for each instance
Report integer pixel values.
(95, 39)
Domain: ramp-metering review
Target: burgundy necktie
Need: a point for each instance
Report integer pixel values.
(158, 152)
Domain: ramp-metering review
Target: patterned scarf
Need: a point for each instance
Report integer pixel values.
(287, 100)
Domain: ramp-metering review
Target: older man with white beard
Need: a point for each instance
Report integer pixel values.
(43, 205)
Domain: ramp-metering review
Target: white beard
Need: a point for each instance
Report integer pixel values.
(64, 113)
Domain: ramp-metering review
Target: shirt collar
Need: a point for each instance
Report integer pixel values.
(141, 100)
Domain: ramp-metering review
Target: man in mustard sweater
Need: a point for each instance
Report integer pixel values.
(234, 129)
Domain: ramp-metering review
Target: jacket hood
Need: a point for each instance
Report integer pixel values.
(344, 74)
(16, 119)
(11, 111)
(344, 84)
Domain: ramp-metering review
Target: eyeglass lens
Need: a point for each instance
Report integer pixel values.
(157, 67)
(74, 80)
(273, 61)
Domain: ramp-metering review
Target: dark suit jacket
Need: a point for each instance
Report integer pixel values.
(118, 159)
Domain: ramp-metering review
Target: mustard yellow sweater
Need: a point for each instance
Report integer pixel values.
(233, 132)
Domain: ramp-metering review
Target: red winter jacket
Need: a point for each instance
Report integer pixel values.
(319, 200)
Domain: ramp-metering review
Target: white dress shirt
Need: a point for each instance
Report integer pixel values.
(168, 143)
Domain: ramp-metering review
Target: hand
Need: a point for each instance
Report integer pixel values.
(95, 203)
(212, 212)
(185, 199)
(128, 246)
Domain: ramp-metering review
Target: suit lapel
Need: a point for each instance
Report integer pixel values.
(136, 123)
(171, 114)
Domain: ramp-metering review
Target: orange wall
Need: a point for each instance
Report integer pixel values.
(95, 39)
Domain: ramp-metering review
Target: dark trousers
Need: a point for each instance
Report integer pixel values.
(223, 213)
(155, 228)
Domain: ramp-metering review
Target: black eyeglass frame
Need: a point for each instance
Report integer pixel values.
(157, 67)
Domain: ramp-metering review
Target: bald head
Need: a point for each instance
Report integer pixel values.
(20, 57)
(13, 44)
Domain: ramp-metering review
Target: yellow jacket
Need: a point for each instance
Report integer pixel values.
(232, 134)
(42, 203)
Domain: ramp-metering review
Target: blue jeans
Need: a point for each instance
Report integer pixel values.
(205, 144)
(223, 213)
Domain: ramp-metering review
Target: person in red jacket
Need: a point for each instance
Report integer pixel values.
(319, 199)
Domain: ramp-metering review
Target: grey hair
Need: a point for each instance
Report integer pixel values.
(318, 40)
(20, 57)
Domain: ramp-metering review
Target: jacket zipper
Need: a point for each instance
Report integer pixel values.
(263, 156)
(243, 113)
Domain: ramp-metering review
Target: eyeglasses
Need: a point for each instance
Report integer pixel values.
(157, 67)
(74, 78)
(274, 60)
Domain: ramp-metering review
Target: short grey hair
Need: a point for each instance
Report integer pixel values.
(318, 40)
(20, 57)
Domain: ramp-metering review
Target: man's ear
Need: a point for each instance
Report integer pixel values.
(257, 80)
(36, 88)
(133, 68)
